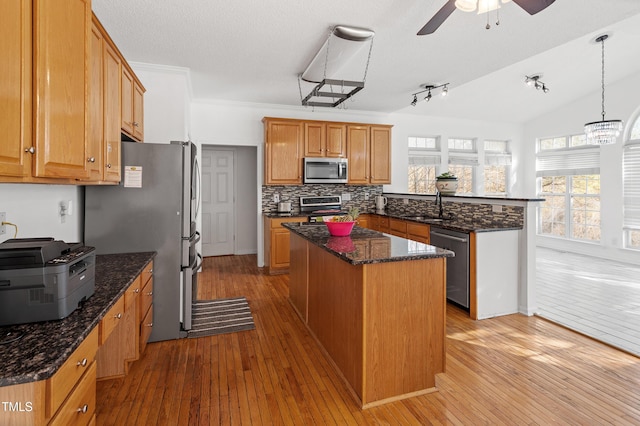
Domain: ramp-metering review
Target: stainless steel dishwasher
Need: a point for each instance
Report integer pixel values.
(458, 266)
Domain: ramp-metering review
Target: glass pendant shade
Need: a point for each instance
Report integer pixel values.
(466, 5)
(603, 132)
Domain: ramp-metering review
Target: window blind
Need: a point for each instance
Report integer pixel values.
(631, 191)
(583, 161)
(420, 159)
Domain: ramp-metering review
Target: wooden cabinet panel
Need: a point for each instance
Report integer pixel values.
(336, 140)
(283, 152)
(79, 408)
(398, 226)
(298, 276)
(96, 106)
(61, 44)
(383, 223)
(15, 86)
(111, 320)
(146, 299)
(358, 154)
(380, 155)
(314, 139)
(126, 111)
(32, 392)
(60, 385)
(145, 329)
(418, 232)
(138, 111)
(276, 240)
(111, 126)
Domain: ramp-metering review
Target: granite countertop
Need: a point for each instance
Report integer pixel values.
(32, 352)
(365, 246)
(454, 224)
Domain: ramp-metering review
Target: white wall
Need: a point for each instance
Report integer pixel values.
(34, 208)
(622, 103)
(166, 102)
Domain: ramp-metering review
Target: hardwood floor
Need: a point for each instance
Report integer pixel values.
(508, 370)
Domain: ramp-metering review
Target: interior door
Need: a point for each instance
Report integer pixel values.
(218, 201)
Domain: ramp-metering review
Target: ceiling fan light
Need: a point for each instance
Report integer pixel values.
(466, 5)
(485, 6)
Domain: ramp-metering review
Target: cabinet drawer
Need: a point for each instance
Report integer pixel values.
(61, 383)
(79, 408)
(146, 299)
(132, 293)
(145, 330)
(147, 273)
(400, 226)
(111, 320)
(383, 223)
(277, 222)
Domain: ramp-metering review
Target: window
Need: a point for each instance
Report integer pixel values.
(569, 180)
(497, 161)
(463, 159)
(631, 188)
(424, 160)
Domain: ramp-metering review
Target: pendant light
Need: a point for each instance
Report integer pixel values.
(602, 132)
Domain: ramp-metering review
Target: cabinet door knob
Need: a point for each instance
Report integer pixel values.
(118, 316)
(91, 159)
(30, 150)
(149, 325)
(83, 409)
(82, 363)
(137, 290)
(150, 293)
(109, 166)
(135, 124)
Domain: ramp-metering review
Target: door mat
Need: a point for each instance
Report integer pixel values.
(211, 317)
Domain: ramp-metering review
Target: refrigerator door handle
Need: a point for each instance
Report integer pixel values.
(199, 265)
(195, 238)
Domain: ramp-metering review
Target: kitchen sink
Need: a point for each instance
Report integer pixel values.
(425, 219)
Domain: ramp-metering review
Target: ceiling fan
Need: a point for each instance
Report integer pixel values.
(530, 6)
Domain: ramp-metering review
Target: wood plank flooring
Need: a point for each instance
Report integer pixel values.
(501, 371)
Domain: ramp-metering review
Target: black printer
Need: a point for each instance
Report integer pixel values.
(43, 279)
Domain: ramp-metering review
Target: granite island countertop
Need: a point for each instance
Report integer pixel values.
(366, 245)
(35, 351)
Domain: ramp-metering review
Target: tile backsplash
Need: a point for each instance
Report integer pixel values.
(294, 192)
(471, 213)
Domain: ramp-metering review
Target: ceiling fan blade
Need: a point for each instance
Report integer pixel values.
(438, 18)
(533, 6)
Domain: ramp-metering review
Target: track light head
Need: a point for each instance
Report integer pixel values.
(428, 88)
(534, 81)
(414, 101)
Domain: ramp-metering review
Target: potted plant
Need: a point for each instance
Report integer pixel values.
(447, 183)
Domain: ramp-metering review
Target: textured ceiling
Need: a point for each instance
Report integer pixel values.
(252, 51)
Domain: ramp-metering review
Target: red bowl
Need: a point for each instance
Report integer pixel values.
(340, 229)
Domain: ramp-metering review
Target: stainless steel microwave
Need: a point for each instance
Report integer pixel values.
(325, 170)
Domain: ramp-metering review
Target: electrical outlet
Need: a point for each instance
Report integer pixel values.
(346, 196)
(405, 201)
(366, 196)
(496, 208)
(276, 198)
(3, 227)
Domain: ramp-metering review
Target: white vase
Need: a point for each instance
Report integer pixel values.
(447, 186)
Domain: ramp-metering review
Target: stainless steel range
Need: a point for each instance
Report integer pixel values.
(318, 207)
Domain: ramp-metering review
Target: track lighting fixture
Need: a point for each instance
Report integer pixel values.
(534, 81)
(428, 88)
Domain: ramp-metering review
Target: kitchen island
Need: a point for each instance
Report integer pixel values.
(376, 304)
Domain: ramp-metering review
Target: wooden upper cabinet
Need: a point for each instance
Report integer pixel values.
(380, 155)
(104, 107)
(369, 154)
(132, 105)
(358, 154)
(61, 55)
(96, 108)
(336, 140)
(283, 151)
(112, 79)
(325, 139)
(15, 86)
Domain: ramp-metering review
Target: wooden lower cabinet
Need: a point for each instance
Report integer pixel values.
(128, 337)
(402, 228)
(276, 242)
(80, 406)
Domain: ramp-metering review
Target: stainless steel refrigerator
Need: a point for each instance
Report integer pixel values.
(154, 208)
